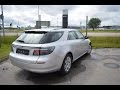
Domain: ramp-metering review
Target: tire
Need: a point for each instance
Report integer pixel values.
(66, 66)
(90, 48)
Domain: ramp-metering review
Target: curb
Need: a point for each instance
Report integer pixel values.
(3, 59)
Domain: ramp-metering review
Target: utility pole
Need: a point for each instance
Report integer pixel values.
(2, 20)
(38, 14)
(0, 36)
(39, 17)
(80, 24)
(17, 28)
(86, 24)
(57, 22)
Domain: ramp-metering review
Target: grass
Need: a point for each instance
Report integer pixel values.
(105, 42)
(97, 42)
(6, 45)
(8, 39)
(101, 31)
(14, 30)
(4, 51)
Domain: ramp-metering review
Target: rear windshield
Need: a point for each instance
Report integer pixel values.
(39, 37)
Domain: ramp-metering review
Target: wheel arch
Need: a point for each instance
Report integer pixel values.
(70, 54)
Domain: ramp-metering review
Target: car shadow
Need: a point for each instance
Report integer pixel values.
(55, 77)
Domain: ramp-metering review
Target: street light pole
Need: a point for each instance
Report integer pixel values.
(2, 20)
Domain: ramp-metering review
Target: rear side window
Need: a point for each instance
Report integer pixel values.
(51, 37)
(39, 37)
(75, 35)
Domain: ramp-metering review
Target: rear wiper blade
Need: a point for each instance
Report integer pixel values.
(20, 41)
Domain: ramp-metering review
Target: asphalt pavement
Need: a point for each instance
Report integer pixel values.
(102, 67)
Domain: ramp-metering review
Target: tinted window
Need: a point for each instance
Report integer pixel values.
(39, 38)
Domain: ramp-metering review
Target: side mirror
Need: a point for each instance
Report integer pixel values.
(86, 37)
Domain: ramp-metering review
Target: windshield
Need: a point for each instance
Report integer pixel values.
(39, 38)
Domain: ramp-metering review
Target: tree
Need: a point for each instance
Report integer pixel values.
(94, 23)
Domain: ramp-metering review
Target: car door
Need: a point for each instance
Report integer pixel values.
(74, 44)
(83, 44)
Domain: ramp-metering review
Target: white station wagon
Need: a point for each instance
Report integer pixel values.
(49, 50)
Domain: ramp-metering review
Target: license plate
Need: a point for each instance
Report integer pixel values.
(23, 51)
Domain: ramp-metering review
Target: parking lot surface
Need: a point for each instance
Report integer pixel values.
(102, 67)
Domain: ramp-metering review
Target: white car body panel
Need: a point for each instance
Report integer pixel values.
(53, 61)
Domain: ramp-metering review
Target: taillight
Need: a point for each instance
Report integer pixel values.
(36, 52)
(43, 51)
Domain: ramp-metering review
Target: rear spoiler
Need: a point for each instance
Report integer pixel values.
(36, 32)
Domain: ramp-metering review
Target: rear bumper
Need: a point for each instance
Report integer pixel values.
(34, 67)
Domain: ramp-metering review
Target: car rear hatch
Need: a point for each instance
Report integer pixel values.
(24, 47)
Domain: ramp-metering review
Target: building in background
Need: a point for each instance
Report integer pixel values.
(65, 18)
(40, 24)
(114, 27)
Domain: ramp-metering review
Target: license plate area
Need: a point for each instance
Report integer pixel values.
(22, 51)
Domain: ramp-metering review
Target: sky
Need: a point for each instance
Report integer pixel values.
(25, 15)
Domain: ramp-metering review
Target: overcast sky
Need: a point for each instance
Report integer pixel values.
(24, 15)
